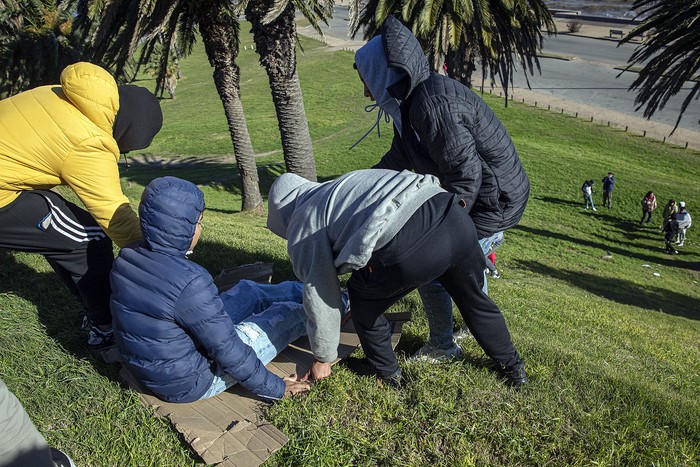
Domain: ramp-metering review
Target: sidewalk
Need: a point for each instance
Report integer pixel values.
(633, 124)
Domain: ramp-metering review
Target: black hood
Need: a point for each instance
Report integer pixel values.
(139, 118)
(404, 52)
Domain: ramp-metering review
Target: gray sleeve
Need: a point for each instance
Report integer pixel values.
(314, 265)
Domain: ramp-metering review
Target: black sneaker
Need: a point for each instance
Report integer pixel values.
(61, 459)
(98, 338)
(363, 367)
(515, 375)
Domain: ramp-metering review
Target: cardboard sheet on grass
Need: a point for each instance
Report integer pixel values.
(229, 429)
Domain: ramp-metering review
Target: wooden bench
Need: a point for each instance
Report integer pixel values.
(617, 32)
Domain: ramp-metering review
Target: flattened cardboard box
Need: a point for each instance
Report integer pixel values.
(229, 429)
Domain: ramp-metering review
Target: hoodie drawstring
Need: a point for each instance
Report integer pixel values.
(387, 119)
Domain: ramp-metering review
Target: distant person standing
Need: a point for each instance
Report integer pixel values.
(608, 186)
(670, 231)
(587, 190)
(684, 223)
(669, 210)
(648, 207)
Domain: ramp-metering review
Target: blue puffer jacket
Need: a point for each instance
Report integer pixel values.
(167, 315)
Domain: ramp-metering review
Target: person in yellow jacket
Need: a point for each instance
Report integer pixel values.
(73, 134)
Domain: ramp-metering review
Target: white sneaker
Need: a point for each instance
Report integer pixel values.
(681, 244)
(431, 354)
(594, 209)
(463, 334)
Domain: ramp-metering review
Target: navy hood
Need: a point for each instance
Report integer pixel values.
(169, 211)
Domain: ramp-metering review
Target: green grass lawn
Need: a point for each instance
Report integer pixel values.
(608, 325)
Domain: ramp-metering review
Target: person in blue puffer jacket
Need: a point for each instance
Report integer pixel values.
(182, 339)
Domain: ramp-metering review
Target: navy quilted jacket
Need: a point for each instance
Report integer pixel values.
(167, 315)
(455, 137)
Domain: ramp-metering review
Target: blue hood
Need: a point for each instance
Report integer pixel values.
(169, 210)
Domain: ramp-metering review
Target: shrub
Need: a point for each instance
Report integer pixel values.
(573, 25)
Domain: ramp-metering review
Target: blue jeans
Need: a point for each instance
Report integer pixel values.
(268, 318)
(438, 304)
(588, 199)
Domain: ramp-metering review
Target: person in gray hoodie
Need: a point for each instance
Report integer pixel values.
(394, 231)
(443, 128)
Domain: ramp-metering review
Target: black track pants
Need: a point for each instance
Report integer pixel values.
(438, 242)
(71, 241)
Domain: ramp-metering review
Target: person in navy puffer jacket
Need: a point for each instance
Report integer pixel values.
(176, 334)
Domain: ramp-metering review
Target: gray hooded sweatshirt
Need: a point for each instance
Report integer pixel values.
(333, 228)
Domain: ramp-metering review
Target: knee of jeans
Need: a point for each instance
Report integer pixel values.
(250, 331)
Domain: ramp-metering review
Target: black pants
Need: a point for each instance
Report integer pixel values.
(438, 242)
(607, 198)
(646, 214)
(71, 241)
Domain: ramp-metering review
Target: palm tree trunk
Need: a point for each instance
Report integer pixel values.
(219, 34)
(276, 43)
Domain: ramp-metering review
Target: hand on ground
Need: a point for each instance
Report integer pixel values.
(293, 386)
(318, 371)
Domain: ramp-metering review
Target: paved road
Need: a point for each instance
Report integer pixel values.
(588, 77)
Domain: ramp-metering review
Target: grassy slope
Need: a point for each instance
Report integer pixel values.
(612, 349)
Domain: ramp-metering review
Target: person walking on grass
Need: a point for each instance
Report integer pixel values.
(443, 128)
(587, 190)
(72, 134)
(684, 223)
(394, 232)
(648, 207)
(608, 187)
(180, 338)
(670, 232)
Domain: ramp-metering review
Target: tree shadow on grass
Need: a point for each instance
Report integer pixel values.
(624, 292)
(676, 262)
(143, 168)
(565, 202)
(631, 228)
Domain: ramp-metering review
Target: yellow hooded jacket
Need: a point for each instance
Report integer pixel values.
(62, 135)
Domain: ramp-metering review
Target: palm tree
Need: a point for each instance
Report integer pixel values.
(274, 33)
(220, 36)
(496, 33)
(671, 51)
(36, 43)
(124, 27)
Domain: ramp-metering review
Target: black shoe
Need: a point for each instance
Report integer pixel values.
(515, 375)
(61, 459)
(363, 367)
